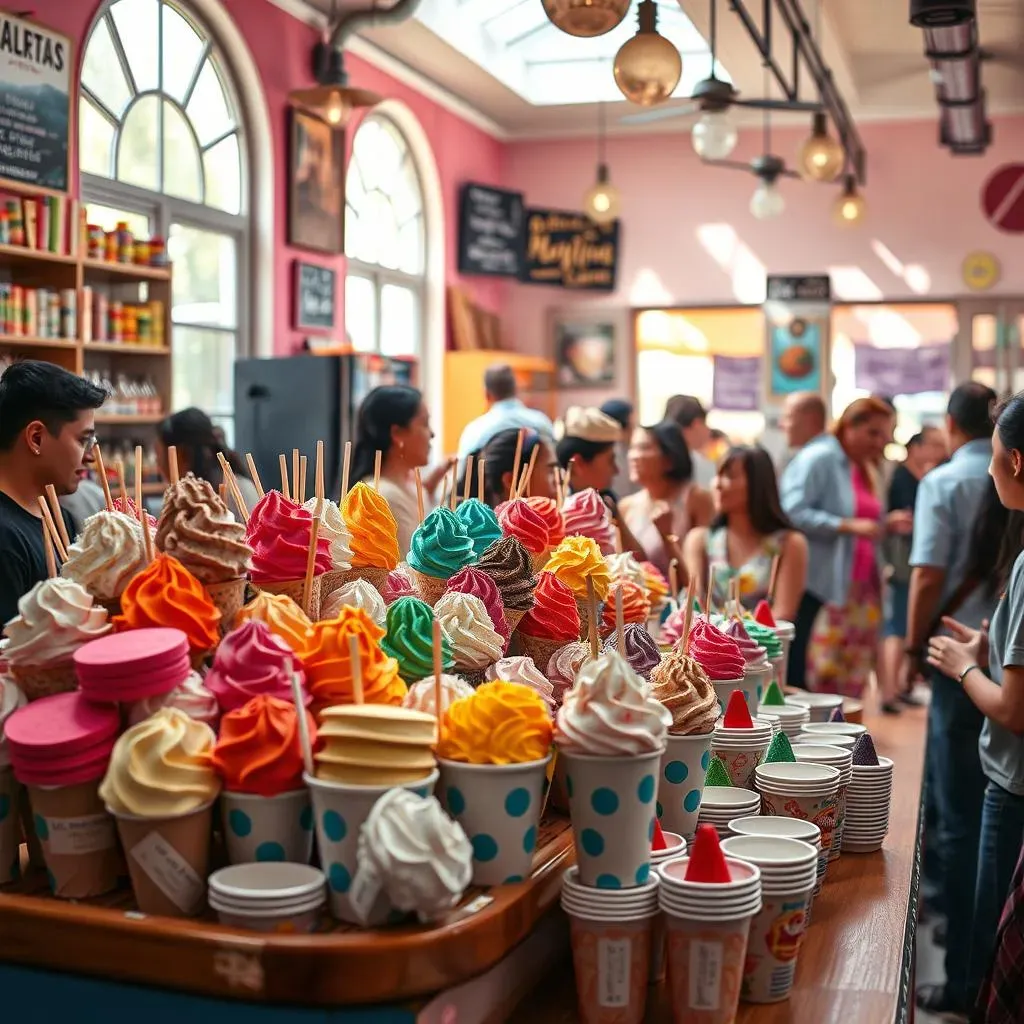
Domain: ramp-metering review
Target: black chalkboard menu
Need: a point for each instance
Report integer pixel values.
(315, 289)
(568, 250)
(490, 231)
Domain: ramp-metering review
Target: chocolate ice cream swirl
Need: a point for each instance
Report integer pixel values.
(508, 563)
(684, 688)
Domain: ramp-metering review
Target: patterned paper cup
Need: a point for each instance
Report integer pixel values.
(805, 791)
(742, 750)
(776, 934)
(612, 807)
(836, 757)
(10, 827)
(498, 807)
(268, 828)
(681, 782)
(675, 846)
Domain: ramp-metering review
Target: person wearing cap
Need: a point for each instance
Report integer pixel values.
(507, 412)
(620, 410)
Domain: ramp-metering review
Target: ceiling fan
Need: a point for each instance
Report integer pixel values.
(712, 95)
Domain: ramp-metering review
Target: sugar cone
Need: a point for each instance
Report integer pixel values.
(295, 590)
(540, 559)
(539, 648)
(376, 577)
(332, 581)
(229, 597)
(513, 616)
(37, 682)
(584, 609)
(429, 588)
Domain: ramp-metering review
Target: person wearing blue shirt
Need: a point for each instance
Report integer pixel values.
(507, 412)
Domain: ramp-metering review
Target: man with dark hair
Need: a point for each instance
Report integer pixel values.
(507, 412)
(692, 418)
(943, 582)
(621, 411)
(47, 434)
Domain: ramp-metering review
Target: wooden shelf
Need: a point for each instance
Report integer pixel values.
(116, 419)
(27, 341)
(125, 271)
(127, 348)
(25, 254)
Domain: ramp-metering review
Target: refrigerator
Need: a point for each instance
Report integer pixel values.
(294, 401)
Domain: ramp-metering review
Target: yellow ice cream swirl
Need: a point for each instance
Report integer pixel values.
(574, 561)
(501, 723)
(373, 528)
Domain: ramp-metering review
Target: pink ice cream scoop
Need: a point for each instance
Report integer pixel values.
(719, 655)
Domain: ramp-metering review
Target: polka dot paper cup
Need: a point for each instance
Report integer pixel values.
(498, 807)
(612, 807)
(268, 828)
(684, 766)
(339, 811)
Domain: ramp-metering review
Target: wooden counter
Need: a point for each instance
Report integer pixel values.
(856, 963)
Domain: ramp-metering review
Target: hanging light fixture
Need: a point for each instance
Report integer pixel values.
(850, 208)
(647, 67)
(767, 201)
(601, 200)
(714, 136)
(586, 18)
(332, 99)
(821, 157)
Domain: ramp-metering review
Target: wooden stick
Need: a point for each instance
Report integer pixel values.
(419, 494)
(455, 483)
(467, 483)
(691, 590)
(711, 586)
(595, 649)
(147, 537)
(438, 651)
(444, 491)
(515, 465)
(51, 560)
(251, 463)
(524, 484)
(673, 580)
(302, 479)
(122, 482)
(620, 624)
(300, 711)
(58, 518)
(345, 466)
(51, 527)
(734, 584)
(138, 476)
(295, 474)
(378, 455)
(222, 490)
(284, 475)
(172, 463)
(480, 478)
(104, 482)
(774, 578)
(318, 477)
(357, 669)
(314, 537)
(229, 479)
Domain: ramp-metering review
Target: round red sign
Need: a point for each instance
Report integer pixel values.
(1002, 198)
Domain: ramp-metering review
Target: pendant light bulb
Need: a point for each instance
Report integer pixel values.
(714, 136)
(647, 67)
(850, 208)
(336, 110)
(767, 201)
(821, 157)
(601, 201)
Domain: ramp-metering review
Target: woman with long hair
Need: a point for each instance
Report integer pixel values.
(499, 455)
(749, 532)
(394, 421)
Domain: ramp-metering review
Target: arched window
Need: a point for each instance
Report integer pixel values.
(385, 242)
(162, 146)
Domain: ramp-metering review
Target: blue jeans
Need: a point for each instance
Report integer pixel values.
(954, 769)
(1002, 833)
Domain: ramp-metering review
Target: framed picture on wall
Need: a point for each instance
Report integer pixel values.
(316, 184)
(585, 353)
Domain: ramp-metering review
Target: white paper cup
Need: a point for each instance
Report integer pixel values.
(612, 807)
(268, 897)
(834, 729)
(785, 828)
(498, 807)
(837, 757)
(785, 631)
(845, 742)
(268, 828)
(10, 827)
(675, 846)
(742, 750)
(723, 690)
(755, 684)
(684, 766)
(821, 704)
(791, 718)
(339, 811)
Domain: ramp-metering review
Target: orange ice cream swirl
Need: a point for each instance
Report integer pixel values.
(576, 559)
(374, 530)
(283, 617)
(166, 594)
(635, 605)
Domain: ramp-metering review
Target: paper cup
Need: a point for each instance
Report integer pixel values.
(10, 827)
(805, 791)
(339, 811)
(836, 729)
(785, 828)
(271, 897)
(268, 828)
(776, 934)
(742, 750)
(612, 807)
(78, 839)
(837, 757)
(821, 705)
(790, 717)
(498, 807)
(681, 782)
(845, 742)
(755, 684)
(675, 846)
(785, 631)
(723, 690)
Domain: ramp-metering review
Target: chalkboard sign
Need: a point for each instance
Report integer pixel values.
(314, 297)
(782, 288)
(35, 103)
(490, 231)
(568, 250)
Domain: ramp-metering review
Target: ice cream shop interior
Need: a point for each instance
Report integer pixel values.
(510, 510)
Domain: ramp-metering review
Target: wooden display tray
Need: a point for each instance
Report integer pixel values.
(338, 966)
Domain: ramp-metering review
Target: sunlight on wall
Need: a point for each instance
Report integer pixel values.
(851, 284)
(647, 290)
(747, 274)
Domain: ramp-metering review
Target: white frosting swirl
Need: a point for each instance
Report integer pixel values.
(524, 672)
(106, 554)
(464, 620)
(565, 664)
(421, 859)
(333, 528)
(190, 696)
(54, 619)
(421, 695)
(609, 714)
(11, 698)
(626, 567)
(356, 594)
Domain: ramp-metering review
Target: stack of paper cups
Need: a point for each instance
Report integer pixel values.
(867, 807)
(805, 791)
(270, 897)
(756, 679)
(821, 705)
(681, 781)
(675, 846)
(785, 631)
(723, 690)
(850, 730)
(791, 717)
(708, 925)
(785, 828)
(837, 757)
(611, 931)
(788, 873)
(720, 804)
(844, 742)
(742, 750)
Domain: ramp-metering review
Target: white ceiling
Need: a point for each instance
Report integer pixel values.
(503, 59)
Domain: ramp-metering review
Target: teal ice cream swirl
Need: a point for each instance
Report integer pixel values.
(440, 545)
(481, 524)
(410, 639)
(764, 636)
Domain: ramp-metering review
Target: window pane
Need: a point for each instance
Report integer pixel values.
(208, 108)
(95, 140)
(406, 196)
(205, 276)
(137, 151)
(136, 23)
(399, 321)
(410, 247)
(107, 217)
(360, 313)
(204, 363)
(182, 175)
(101, 71)
(223, 169)
(182, 49)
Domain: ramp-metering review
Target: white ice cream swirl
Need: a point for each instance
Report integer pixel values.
(54, 619)
(523, 671)
(421, 695)
(465, 622)
(106, 555)
(333, 528)
(190, 696)
(11, 698)
(356, 594)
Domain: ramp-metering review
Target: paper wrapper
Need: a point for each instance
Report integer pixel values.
(295, 589)
(776, 934)
(377, 578)
(429, 588)
(229, 598)
(78, 840)
(611, 960)
(268, 828)
(10, 827)
(37, 682)
(740, 761)
(684, 766)
(169, 860)
(540, 649)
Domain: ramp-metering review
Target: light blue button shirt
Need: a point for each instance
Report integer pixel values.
(817, 495)
(508, 414)
(948, 502)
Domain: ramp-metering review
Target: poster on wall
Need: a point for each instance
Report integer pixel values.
(584, 352)
(736, 383)
(490, 231)
(568, 250)
(797, 316)
(35, 103)
(901, 371)
(316, 184)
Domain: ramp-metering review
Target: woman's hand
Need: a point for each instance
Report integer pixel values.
(661, 516)
(869, 529)
(953, 655)
(900, 521)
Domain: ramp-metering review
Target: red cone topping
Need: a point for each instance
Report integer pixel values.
(763, 614)
(658, 842)
(736, 714)
(707, 862)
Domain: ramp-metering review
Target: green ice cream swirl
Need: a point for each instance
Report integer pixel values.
(410, 639)
(481, 524)
(764, 636)
(440, 545)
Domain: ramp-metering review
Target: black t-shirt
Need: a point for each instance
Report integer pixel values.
(22, 554)
(902, 490)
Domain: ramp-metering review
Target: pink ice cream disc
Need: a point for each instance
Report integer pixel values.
(55, 728)
(137, 650)
(152, 684)
(88, 770)
(118, 676)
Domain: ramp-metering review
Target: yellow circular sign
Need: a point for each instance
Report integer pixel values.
(981, 271)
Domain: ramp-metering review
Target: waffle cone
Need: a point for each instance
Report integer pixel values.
(332, 581)
(429, 588)
(294, 589)
(229, 597)
(539, 648)
(513, 616)
(37, 682)
(540, 559)
(583, 607)
(376, 577)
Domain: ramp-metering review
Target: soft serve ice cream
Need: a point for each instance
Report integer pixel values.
(440, 546)
(509, 564)
(641, 651)
(476, 583)
(481, 524)
(465, 622)
(422, 695)
(54, 619)
(372, 527)
(355, 594)
(190, 696)
(410, 639)
(283, 617)
(251, 661)
(523, 671)
(719, 655)
(106, 555)
(685, 690)
(279, 532)
(334, 531)
(585, 514)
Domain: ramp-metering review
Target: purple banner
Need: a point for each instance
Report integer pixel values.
(901, 371)
(736, 385)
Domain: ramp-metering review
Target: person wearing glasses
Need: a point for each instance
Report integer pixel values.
(47, 436)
